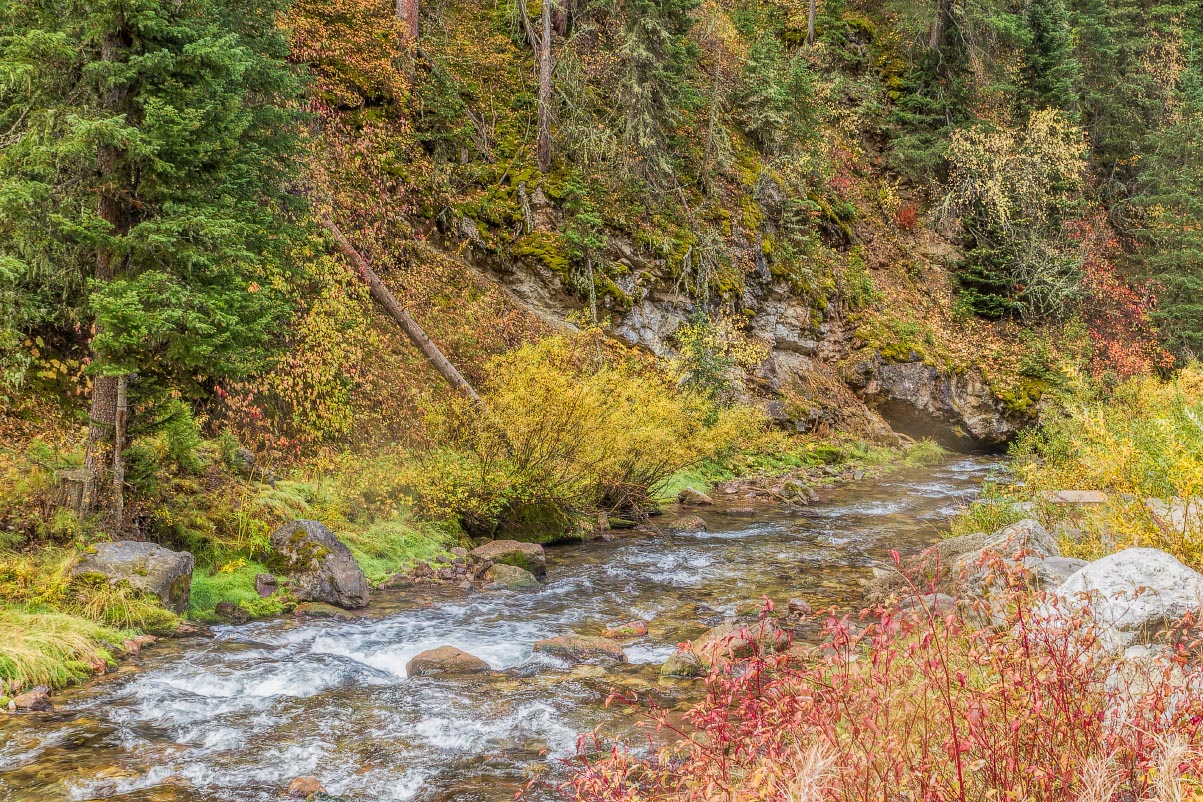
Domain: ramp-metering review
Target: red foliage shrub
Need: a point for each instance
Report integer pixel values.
(927, 706)
(907, 217)
(1116, 312)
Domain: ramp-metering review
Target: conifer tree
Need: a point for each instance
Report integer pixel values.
(148, 147)
(655, 54)
(1051, 71)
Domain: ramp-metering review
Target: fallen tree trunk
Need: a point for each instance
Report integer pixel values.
(412, 330)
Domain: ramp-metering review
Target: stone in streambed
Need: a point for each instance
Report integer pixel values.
(144, 566)
(631, 629)
(688, 523)
(445, 660)
(581, 648)
(321, 567)
(320, 610)
(682, 664)
(231, 613)
(509, 577)
(527, 556)
(36, 700)
(694, 498)
(305, 787)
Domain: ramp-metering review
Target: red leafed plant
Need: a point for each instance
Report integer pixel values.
(1116, 312)
(992, 703)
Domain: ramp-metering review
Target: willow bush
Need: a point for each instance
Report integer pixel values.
(570, 430)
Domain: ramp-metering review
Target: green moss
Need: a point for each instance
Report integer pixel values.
(210, 587)
(388, 547)
(548, 248)
(1023, 395)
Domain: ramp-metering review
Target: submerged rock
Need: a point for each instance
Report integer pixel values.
(144, 566)
(321, 567)
(688, 523)
(321, 610)
(527, 556)
(581, 648)
(632, 629)
(445, 660)
(682, 664)
(509, 577)
(1135, 595)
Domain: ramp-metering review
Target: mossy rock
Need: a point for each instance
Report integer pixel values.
(533, 522)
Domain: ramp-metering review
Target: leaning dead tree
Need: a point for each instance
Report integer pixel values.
(384, 296)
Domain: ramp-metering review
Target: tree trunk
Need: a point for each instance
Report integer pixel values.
(544, 142)
(412, 330)
(407, 12)
(561, 17)
(810, 22)
(119, 427)
(943, 15)
(112, 208)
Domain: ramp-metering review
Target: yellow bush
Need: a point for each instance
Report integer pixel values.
(570, 428)
(1143, 440)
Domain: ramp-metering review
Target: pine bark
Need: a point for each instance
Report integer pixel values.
(112, 208)
(544, 141)
(561, 17)
(810, 22)
(397, 312)
(407, 12)
(943, 16)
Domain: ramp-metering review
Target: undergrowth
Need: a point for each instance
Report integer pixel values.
(924, 705)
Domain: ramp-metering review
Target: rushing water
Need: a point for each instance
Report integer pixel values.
(236, 718)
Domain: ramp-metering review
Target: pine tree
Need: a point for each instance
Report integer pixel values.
(149, 145)
(1051, 72)
(655, 54)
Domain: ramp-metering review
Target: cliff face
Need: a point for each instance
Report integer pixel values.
(817, 374)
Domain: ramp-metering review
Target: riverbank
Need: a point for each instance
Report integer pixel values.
(226, 513)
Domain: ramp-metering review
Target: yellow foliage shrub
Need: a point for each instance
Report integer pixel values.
(569, 428)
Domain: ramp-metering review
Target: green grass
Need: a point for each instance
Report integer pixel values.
(55, 649)
(927, 453)
(236, 585)
(387, 547)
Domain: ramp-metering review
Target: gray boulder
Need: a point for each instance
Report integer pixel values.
(1052, 572)
(509, 577)
(320, 566)
(1134, 595)
(145, 566)
(528, 556)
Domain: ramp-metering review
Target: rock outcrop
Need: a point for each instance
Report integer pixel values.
(915, 398)
(144, 566)
(321, 568)
(527, 556)
(1134, 595)
(445, 660)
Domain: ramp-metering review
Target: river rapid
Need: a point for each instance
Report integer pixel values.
(235, 718)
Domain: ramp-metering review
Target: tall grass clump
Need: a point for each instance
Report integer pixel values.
(54, 649)
(1143, 440)
(928, 706)
(567, 430)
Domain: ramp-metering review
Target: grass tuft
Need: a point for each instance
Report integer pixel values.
(54, 649)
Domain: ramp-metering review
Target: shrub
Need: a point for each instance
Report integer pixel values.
(565, 430)
(924, 706)
(1144, 439)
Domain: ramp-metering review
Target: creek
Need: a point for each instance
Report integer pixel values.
(235, 718)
